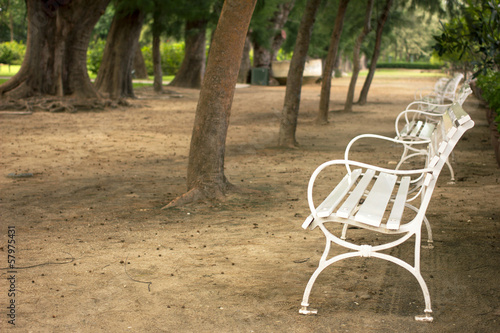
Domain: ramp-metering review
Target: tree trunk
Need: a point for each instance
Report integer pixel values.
(245, 66)
(192, 70)
(205, 176)
(355, 57)
(140, 70)
(56, 52)
(376, 53)
(326, 83)
(158, 75)
(263, 56)
(11, 21)
(115, 74)
(290, 112)
(279, 21)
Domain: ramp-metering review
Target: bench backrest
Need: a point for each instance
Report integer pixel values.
(450, 90)
(455, 122)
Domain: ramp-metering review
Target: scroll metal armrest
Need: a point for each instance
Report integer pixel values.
(429, 104)
(380, 137)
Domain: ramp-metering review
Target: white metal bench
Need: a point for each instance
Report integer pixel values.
(377, 199)
(443, 91)
(417, 123)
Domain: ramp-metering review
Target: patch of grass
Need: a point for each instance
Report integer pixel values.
(6, 70)
(404, 73)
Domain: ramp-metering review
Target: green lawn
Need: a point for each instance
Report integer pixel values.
(6, 70)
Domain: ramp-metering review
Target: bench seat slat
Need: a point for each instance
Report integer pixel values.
(417, 128)
(427, 131)
(399, 204)
(327, 207)
(372, 210)
(407, 128)
(352, 201)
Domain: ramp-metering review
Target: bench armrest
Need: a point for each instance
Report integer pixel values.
(379, 137)
(428, 105)
(348, 164)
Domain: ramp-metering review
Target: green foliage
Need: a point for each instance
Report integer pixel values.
(473, 37)
(94, 55)
(490, 88)
(12, 53)
(172, 54)
(13, 25)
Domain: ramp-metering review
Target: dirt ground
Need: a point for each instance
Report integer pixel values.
(94, 252)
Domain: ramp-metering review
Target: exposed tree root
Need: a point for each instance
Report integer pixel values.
(64, 104)
(199, 194)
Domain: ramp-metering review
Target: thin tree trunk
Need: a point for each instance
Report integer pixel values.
(192, 70)
(11, 21)
(115, 74)
(279, 21)
(245, 66)
(56, 52)
(158, 75)
(355, 57)
(290, 112)
(376, 53)
(264, 55)
(326, 83)
(205, 176)
(140, 69)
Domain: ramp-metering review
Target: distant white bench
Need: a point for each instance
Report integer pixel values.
(382, 201)
(416, 125)
(444, 90)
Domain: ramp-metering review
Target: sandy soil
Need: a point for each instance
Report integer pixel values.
(95, 252)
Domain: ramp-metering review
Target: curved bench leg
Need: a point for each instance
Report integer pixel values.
(451, 170)
(430, 241)
(325, 263)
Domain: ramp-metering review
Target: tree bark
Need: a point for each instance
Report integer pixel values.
(376, 53)
(192, 70)
(264, 56)
(114, 78)
(158, 75)
(140, 70)
(245, 66)
(355, 57)
(326, 83)
(205, 176)
(56, 51)
(290, 112)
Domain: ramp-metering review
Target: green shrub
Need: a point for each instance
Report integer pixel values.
(94, 55)
(172, 55)
(490, 87)
(12, 53)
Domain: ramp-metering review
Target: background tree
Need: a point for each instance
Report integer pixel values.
(205, 176)
(114, 78)
(13, 20)
(326, 83)
(408, 8)
(376, 52)
(267, 30)
(290, 112)
(355, 57)
(197, 15)
(55, 60)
